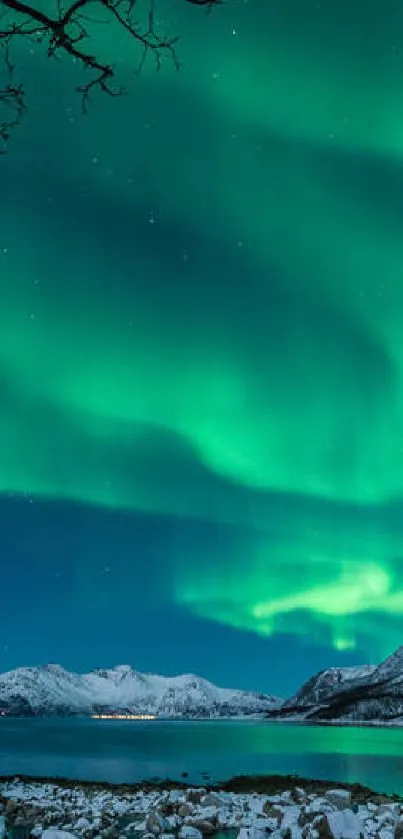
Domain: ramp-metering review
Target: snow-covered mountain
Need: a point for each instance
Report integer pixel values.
(321, 687)
(370, 693)
(51, 690)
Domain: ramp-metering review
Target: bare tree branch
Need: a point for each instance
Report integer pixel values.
(69, 33)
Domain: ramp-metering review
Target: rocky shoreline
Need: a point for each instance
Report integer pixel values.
(271, 807)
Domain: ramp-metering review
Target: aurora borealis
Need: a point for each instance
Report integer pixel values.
(201, 350)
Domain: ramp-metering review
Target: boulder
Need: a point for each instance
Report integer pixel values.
(185, 810)
(211, 813)
(388, 818)
(156, 823)
(340, 798)
(290, 817)
(343, 824)
(211, 799)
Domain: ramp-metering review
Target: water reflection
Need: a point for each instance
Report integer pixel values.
(128, 752)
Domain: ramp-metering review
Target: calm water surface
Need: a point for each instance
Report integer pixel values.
(130, 751)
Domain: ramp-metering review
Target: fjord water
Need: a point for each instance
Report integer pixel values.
(121, 752)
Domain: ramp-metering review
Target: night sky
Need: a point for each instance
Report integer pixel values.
(201, 350)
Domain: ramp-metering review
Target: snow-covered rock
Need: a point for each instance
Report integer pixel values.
(83, 824)
(210, 799)
(340, 798)
(52, 690)
(156, 823)
(50, 811)
(319, 804)
(290, 817)
(344, 824)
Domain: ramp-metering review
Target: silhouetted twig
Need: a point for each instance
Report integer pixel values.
(69, 32)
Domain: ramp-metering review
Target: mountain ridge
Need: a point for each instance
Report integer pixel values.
(51, 690)
(366, 693)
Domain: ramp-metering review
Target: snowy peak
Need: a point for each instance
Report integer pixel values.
(116, 674)
(51, 690)
(391, 668)
(329, 682)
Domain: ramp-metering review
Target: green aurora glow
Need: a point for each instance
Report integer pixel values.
(240, 360)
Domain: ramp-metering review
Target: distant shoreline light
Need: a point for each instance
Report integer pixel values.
(123, 716)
